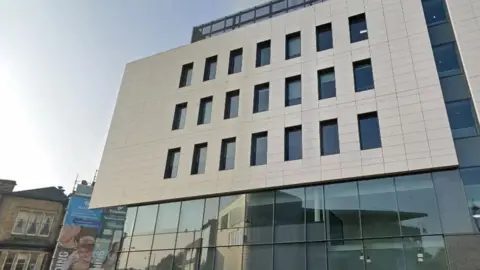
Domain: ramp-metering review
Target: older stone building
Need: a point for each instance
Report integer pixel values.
(29, 225)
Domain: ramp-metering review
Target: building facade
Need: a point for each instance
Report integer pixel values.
(29, 225)
(338, 134)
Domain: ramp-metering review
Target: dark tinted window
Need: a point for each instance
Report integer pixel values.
(261, 98)
(342, 211)
(259, 217)
(324, 37)
(315, 213)
(263, 53)
(235, 64)
(316, 256)
(467, 151)
(138, 260)
(446, 59)
(329, 142)
(441, 33)
(290, 256)
(425, 253)
(259, 257)
(227, 154)
(471, 181)
(228, 258)
(190, 224)
(258, 155)
(231, 104)
(293, 91)
(417, 205)
(145, 221)
(210, 71)
(199, 158)
(369, 131)
(186, 76)
(462, 119)
(205, 111)
(293, 45)
(363, 75)
(179, 116)
(290, 215)
(173, 159)
(293, 143)
(385, 254)
(343, 255)
(326, 83)
(455, 88)
(434, 11)
(358, 28)
(210, 222)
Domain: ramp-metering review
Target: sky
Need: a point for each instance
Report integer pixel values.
(61, 64)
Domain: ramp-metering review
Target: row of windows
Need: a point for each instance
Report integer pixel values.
(363, 77)
(324, 41)
(329, 145)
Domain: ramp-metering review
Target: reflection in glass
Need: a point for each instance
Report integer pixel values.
(379, 211)
(126, 243)
(417, 205)
(129, 221)
(190, 224)
(342, 208)
(316, 256)
(161, 260)
(363, 75)
(187, 259)
(345, 255)
(434, 11)
(315, 213)
(462, 120)
(228, 258)
(290, 256)
(290, 215)
(257, 257)
(446, 59)
(294, 45)
(164, 241)
(138, 260)
(143, 242)
(231, 216)
(210, 222)
(207, 259)
(145, 221)
(425, 253)
(259, 217)
(122, 261)
(471, 181)
(383, 254)
(167, 220)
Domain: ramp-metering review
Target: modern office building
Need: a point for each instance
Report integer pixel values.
(334, 134)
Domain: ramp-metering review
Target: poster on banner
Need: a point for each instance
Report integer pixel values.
(75, 248)
(78, 213)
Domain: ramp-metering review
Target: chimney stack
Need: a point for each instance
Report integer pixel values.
(7, 186)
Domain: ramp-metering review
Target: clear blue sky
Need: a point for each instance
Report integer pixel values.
(61, 64)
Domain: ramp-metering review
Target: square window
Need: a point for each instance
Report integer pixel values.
(179, 116)
(259, 148)
(446, 59)
(434, 11)
(363, 75)
(462, 119)
(210, 71)
(263, 53)
(324, 37)
(293, 143)
(329, 142)
(227, 154)
(326, 83)
(173, 159)
(199, 158)
(358, 28)
(186, 76)
(369, 131)
(231, 104)
(293, 46)
(235, 63)
(293, 91)
(261, 98)
(205, 111)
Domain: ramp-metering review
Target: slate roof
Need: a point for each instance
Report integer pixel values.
(48, 194)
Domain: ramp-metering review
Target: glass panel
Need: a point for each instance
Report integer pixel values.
(316, 256)
(455, 88)
(160, 259)
(21, 261)
(363, 75)
(425, 253)
(138, 260)
(315, 212)
(190, 225)
(290, 256)
(21, 222)
(235, 64)
(34, 223)
(324, 37)
(344, 255)
(293, 93)
(186, 75)
(358, 28)
(145, 222)
(259, 217)
(257, 257)
(199, 158)
(463, 252)
(261, 98)
(205, 111)
(342, 208)
(417, 205)
(122, 261)
(259, 149)
(262, 11)
(141, 243)
(263, 53)
(279, 6)
(167, 220)
(207, 259)
(229, 22)
(231, 217)
(293, 143)
(452, 202)
(329, 139)
(379, 211)
(446, 59)
(228, 258)
(164, 241)
(326, 84)
(218, 26)
(467, 151)
(434, 11)
(129, 221)
(440, 34)
(231, 104)
(249, 15)
(179, 116)
(290, 215)
(8, 263)
(210, 222)
(173, 159)
(187, 259)
(210, 68)
(294, 46)
(126, 243)
(369, 131)
(227, 161)
(461, 116)
(471, 181)
(383, 254)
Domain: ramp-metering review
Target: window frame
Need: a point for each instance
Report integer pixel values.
(231, 62)
(323, 124)
(264, 45)
(229, 96)
(197, 148)
(253, 148)
(288, 81)
(40, 224)
(290, 38)
(359, 65)
(324, 28)
(322, 72)
(356, 19)
(366, 116)
(287, 154)
(202, 110)
(207, 76)
(186, 68)
(256, 97)
(169, 162)
(224, 153)
(177, 116)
